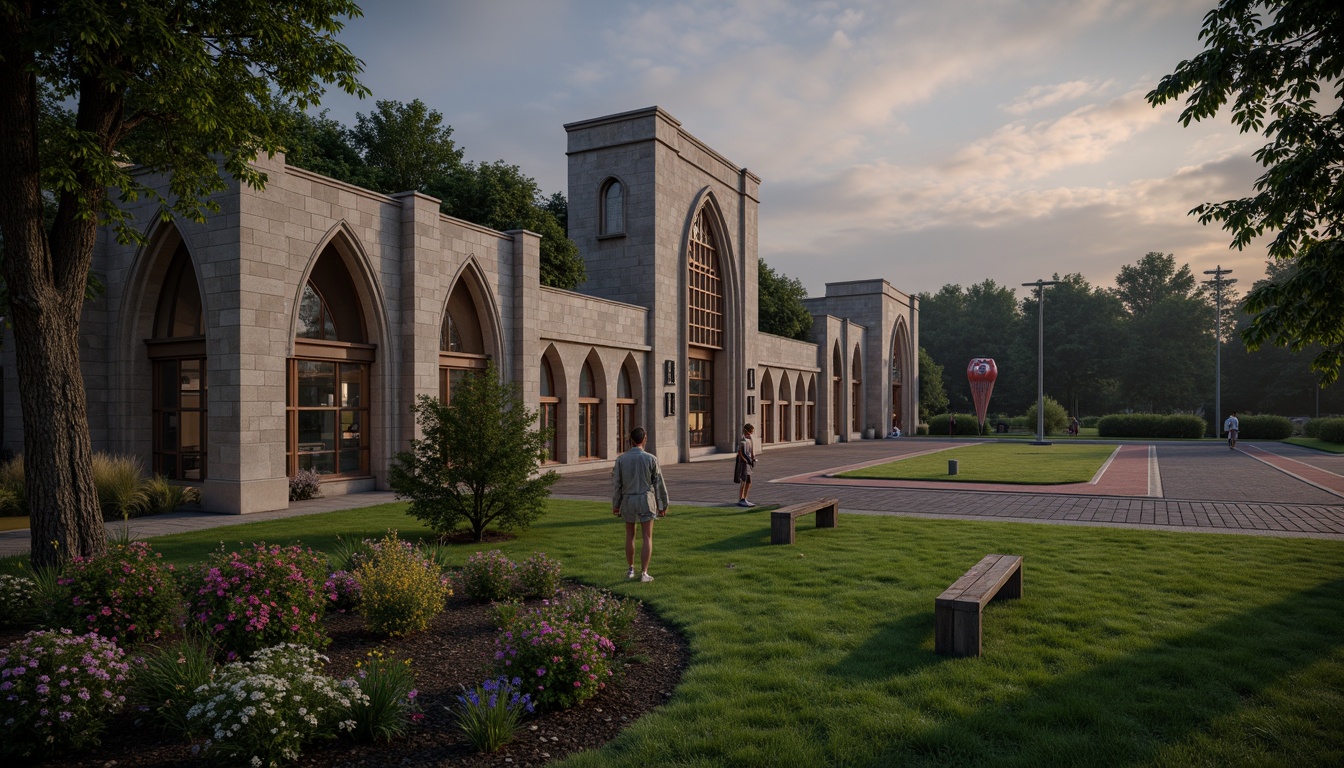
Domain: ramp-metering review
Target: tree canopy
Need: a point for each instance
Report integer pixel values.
(87, 88)
(1281, 64)
(400, 147)
(779, 304)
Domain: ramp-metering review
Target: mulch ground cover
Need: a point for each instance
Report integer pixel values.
(457, 650)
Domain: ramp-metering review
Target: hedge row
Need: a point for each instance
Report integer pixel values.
(966, 424)
(1263, 427)
(1182, 425)
(1329, 430)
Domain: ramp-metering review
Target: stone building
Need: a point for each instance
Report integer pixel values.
(295, 327)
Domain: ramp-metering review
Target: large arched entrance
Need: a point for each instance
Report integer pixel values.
(704, 333)
(900, 343)
(178, 361)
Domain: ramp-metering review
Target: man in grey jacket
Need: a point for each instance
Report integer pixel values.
(638, 495)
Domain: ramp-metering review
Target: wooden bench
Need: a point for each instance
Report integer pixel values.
(782, 519)
(956, 612)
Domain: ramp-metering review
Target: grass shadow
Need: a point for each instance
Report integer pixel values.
(894, 648)
(1133, 709)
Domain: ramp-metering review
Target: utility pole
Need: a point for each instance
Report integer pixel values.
(1218, 282)
(1040, 285)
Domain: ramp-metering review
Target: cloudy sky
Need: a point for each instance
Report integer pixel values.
(924, 142)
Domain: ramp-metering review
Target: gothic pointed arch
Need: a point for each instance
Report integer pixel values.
(812, 408)
(799, 410)
(767, 408)
(628, 388)
(713, 324)
(784, 401)
(176, 352)
(338, 325)
(592, 407)
(901, 372)
(837, 377)
(469, 333)
(856, 392)
(551, 404)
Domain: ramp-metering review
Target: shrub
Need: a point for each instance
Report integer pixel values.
(343, 591)
(479, 462)
(1090, 421)
(389, 705)
(347, 554)
(1264, 427)
(16, 600)
(1056, 418)
(167, 685)
(610, 616)
(921, 429)
(127, 594)
(307, 484)
(538, 576)
(966, 424)
(561, 663)
(488, 577)
(13, 494)
(1330, 430)
(400, 589)
(260, 597)
(265, 710)
(490, 713)
(1182, 425)
(57, 692)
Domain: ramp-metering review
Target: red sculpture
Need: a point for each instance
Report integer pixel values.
(982, 372)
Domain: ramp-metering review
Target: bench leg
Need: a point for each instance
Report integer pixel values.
(956, 632)
(1012, 588)
(781, 529)
(828, 516)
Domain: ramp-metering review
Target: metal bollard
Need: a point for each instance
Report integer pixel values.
(951, 466)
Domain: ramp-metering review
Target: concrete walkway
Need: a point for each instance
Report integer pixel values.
(1264, 489)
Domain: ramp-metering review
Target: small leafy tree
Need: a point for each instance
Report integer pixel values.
(932, 396)
(477, 462)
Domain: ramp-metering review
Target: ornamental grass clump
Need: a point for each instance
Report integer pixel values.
(264, 711)
(166, 686)
(488, 577)
(560, 663)
(16, 600)
(389, 705)
(400, 589)
(57, 692)
(129, 594)
(490, 713)
(538, 576)
(261, 597)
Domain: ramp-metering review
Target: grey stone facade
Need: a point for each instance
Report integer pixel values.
(404, 260)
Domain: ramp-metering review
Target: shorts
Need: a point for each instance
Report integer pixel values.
(637, 509)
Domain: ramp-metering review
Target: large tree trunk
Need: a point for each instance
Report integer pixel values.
(46, 277)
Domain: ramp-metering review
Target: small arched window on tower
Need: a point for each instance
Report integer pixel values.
(612, 201)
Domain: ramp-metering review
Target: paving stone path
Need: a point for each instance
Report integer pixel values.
(1266, 489)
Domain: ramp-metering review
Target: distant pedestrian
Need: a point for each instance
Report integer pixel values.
(1232, 426)
(951, 424)
(1073, 426)
(640, 496)
(742, 465)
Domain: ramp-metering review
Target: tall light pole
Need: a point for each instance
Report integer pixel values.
(1040, 285)
(1218, 282)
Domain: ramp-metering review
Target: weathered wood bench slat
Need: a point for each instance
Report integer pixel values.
(958, 611)
(783, 520)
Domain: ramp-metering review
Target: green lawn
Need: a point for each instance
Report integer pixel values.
(1320, 445)
(1127, 648)
(998, 463)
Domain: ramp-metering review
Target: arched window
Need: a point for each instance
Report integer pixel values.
(625, 409)
(590, 410)
(800, 411)
(837, 409)
(612, 209)
(550, 410)
(812, 408)
(785, 410)
(767, 409)
(177, 350)
(328, 389)
(856, 392)
(704, 328)
(461, 341)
